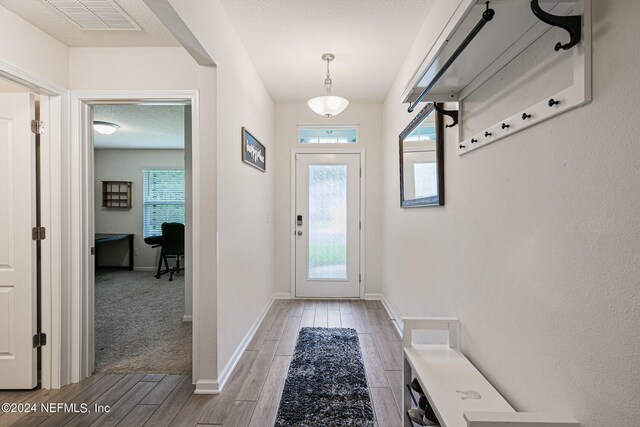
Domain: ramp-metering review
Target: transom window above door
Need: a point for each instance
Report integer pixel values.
(327, 134)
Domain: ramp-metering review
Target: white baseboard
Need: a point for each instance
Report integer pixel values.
(397, 322)
(282, 295)
(207, 387)
(226, 372)
(186, 318)
(145, 269)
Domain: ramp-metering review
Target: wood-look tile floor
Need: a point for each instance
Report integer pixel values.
(251, 396)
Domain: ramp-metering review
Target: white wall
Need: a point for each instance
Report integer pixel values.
(231, 96)
(153, 69)
(127, 165)
(369, 117)
(536, 250)
(141, 68)
(245, 195)
(38, 57)
(31, 50)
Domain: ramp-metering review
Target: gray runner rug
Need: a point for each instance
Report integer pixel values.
(326, 384)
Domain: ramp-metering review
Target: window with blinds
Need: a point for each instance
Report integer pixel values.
(163, 199)
(327, 134)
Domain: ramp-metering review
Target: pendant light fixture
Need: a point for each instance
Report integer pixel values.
(328, 105)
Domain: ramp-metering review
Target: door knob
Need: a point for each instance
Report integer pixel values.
(299, 233)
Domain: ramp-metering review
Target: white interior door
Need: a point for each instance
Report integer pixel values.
(327, 225)
(18, 358)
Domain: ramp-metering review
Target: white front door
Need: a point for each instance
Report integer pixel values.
(327, 225)
(18, 358)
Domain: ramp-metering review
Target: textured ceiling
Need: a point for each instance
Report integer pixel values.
(153, 33)
(285, 39)
(141, 126)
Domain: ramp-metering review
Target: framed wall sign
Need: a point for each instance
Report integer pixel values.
(253, 153)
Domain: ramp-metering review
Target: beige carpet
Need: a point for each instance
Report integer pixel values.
(139, 325)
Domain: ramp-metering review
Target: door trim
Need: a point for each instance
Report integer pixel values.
(81, 217)
(53, 104)
(292, 215)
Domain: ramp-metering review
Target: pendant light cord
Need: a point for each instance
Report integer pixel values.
(327, 81)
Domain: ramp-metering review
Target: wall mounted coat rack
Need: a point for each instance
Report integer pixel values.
(454, 67)
(486, 16)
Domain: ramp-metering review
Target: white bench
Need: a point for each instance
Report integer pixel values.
(458, 393)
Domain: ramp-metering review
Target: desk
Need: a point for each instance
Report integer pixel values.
(102, 238)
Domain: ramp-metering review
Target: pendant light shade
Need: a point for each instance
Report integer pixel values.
(328, 105)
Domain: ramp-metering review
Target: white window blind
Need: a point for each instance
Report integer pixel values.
(163, 199)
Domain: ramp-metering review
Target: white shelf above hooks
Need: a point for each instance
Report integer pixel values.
(579, 93)
(513, 29)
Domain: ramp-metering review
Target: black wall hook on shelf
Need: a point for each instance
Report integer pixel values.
(451, 113)
(572, 24)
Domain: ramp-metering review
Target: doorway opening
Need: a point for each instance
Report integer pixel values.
(327, 223)
(141, 308)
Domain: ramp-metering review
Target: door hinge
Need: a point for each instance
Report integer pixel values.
(37, 127)
(39, 340)
(360, 172)
(360, 277)
(360, 225)
(38, 233)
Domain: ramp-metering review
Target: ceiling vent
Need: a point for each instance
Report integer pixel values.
(101, 15)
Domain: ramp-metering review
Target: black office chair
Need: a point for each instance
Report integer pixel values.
(156, 242)
(172, 247)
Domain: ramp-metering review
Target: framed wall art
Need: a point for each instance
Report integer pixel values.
(253, 152)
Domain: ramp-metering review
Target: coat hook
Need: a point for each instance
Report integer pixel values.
(571, 24)
(505, 126)
(462, 146)
(553, 102)
(451, 113)
(526, 116)
(487, 134)
(473, 140)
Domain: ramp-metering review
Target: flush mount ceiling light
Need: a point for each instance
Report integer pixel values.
(105, 128)
(328, 105)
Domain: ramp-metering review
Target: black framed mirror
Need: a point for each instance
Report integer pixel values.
(422, 160)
